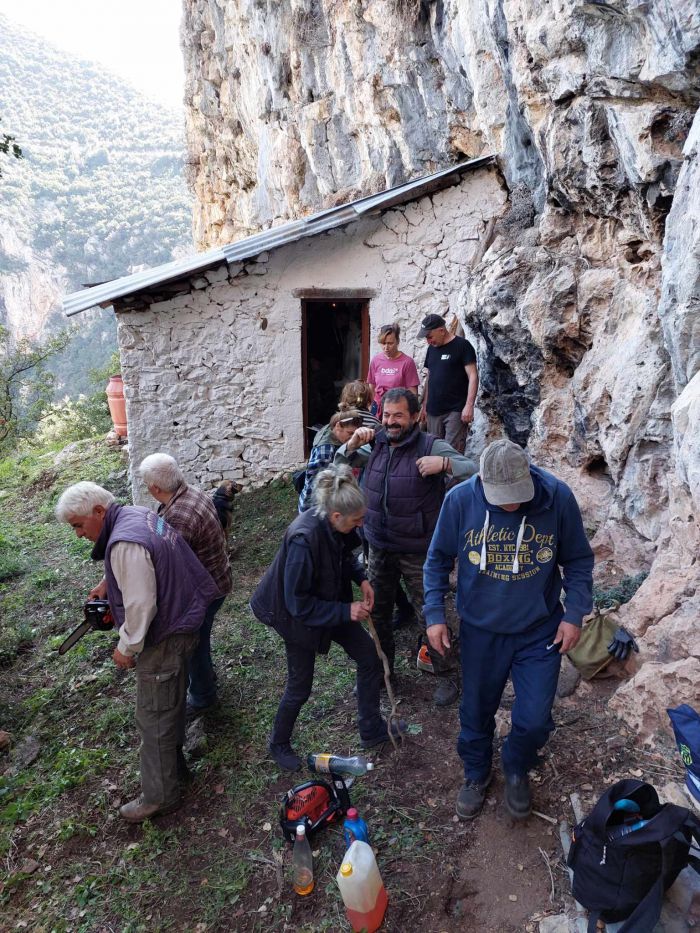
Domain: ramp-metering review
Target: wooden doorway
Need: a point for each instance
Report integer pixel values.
(334, 351)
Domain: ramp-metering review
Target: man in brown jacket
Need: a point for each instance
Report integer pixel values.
(192, 512)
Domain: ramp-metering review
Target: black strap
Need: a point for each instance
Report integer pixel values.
(593, 921)
(692, 824)
(647, 912)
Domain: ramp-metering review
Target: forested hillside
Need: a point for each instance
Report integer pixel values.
(100, 190)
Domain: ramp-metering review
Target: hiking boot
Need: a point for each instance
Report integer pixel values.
(136, 811)
(445, 693)
(518, 796)
(285, 756)
(398, 728)
(424, 661)
(471, 797)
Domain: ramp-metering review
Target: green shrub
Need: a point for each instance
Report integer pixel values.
(620, 592)
(74, 420)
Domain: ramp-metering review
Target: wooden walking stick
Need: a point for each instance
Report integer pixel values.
(393, 715)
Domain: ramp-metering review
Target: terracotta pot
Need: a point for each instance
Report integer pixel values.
(117, 404)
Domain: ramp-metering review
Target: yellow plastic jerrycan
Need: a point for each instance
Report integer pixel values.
(361, 887)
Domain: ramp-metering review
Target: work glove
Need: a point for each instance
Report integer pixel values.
(622, 644)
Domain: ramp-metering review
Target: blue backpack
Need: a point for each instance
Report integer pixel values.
(686, 727)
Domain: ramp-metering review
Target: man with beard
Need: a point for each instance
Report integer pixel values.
(404, 478)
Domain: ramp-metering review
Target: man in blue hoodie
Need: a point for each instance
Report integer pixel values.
(518, 537)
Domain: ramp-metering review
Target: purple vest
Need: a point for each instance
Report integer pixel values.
(184, 588)
(402, 506)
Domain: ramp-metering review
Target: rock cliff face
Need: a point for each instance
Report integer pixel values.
(584, 304)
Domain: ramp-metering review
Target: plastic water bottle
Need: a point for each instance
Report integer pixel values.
(354, 828)
(619, 831)
(336, 764)
(362, 889)
(302, 863)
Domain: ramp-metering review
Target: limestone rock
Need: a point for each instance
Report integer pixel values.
(569, 678)
(642, 701)
(24, 754)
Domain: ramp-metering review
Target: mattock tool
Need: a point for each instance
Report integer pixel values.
(393, 715)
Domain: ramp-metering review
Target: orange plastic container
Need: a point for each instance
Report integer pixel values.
(117, 404)
(362, 889)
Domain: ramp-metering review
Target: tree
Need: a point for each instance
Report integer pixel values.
(26, 388)
(8, 146)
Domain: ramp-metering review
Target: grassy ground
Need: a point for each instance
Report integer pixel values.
(68, 861)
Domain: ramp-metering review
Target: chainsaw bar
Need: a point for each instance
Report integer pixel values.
(74, 637)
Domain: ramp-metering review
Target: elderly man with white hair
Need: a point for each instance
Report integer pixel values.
(192, 512)
(158, 593)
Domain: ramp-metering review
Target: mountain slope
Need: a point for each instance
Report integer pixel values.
(100, 190)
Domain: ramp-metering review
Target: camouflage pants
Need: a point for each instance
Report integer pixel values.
(385, 571)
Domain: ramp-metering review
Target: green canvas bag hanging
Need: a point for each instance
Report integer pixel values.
(590, 656)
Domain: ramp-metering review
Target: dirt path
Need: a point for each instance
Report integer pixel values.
(491, 874)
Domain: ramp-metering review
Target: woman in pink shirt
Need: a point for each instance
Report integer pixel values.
(390, 369)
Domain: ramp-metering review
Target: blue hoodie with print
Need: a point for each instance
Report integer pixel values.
(508, 577)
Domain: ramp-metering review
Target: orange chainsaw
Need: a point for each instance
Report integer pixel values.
(98, 618)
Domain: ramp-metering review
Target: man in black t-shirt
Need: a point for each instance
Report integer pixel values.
(451, 385)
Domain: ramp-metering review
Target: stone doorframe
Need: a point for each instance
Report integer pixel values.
(358, 295)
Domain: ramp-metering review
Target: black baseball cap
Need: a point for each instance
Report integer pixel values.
(431, 322)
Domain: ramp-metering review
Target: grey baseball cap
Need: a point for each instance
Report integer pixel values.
(504, 469)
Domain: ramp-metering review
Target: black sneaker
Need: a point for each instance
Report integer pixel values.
(518, 796)
(398, 728)
(471, 798)
(445, 693)
(285, 756)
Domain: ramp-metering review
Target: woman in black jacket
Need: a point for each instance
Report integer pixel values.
(306, 596)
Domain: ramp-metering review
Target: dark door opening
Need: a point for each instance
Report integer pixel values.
(335, 351)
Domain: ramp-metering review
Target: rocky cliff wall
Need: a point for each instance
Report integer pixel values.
(584, 304)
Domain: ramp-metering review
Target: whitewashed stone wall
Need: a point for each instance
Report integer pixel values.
(213, 377)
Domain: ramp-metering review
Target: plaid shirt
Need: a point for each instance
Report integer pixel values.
(321, 456)
(193, 514)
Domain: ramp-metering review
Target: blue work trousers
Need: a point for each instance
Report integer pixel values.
(487, 660)
(202, 677)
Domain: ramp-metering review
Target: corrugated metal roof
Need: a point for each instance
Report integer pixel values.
(267, 240)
